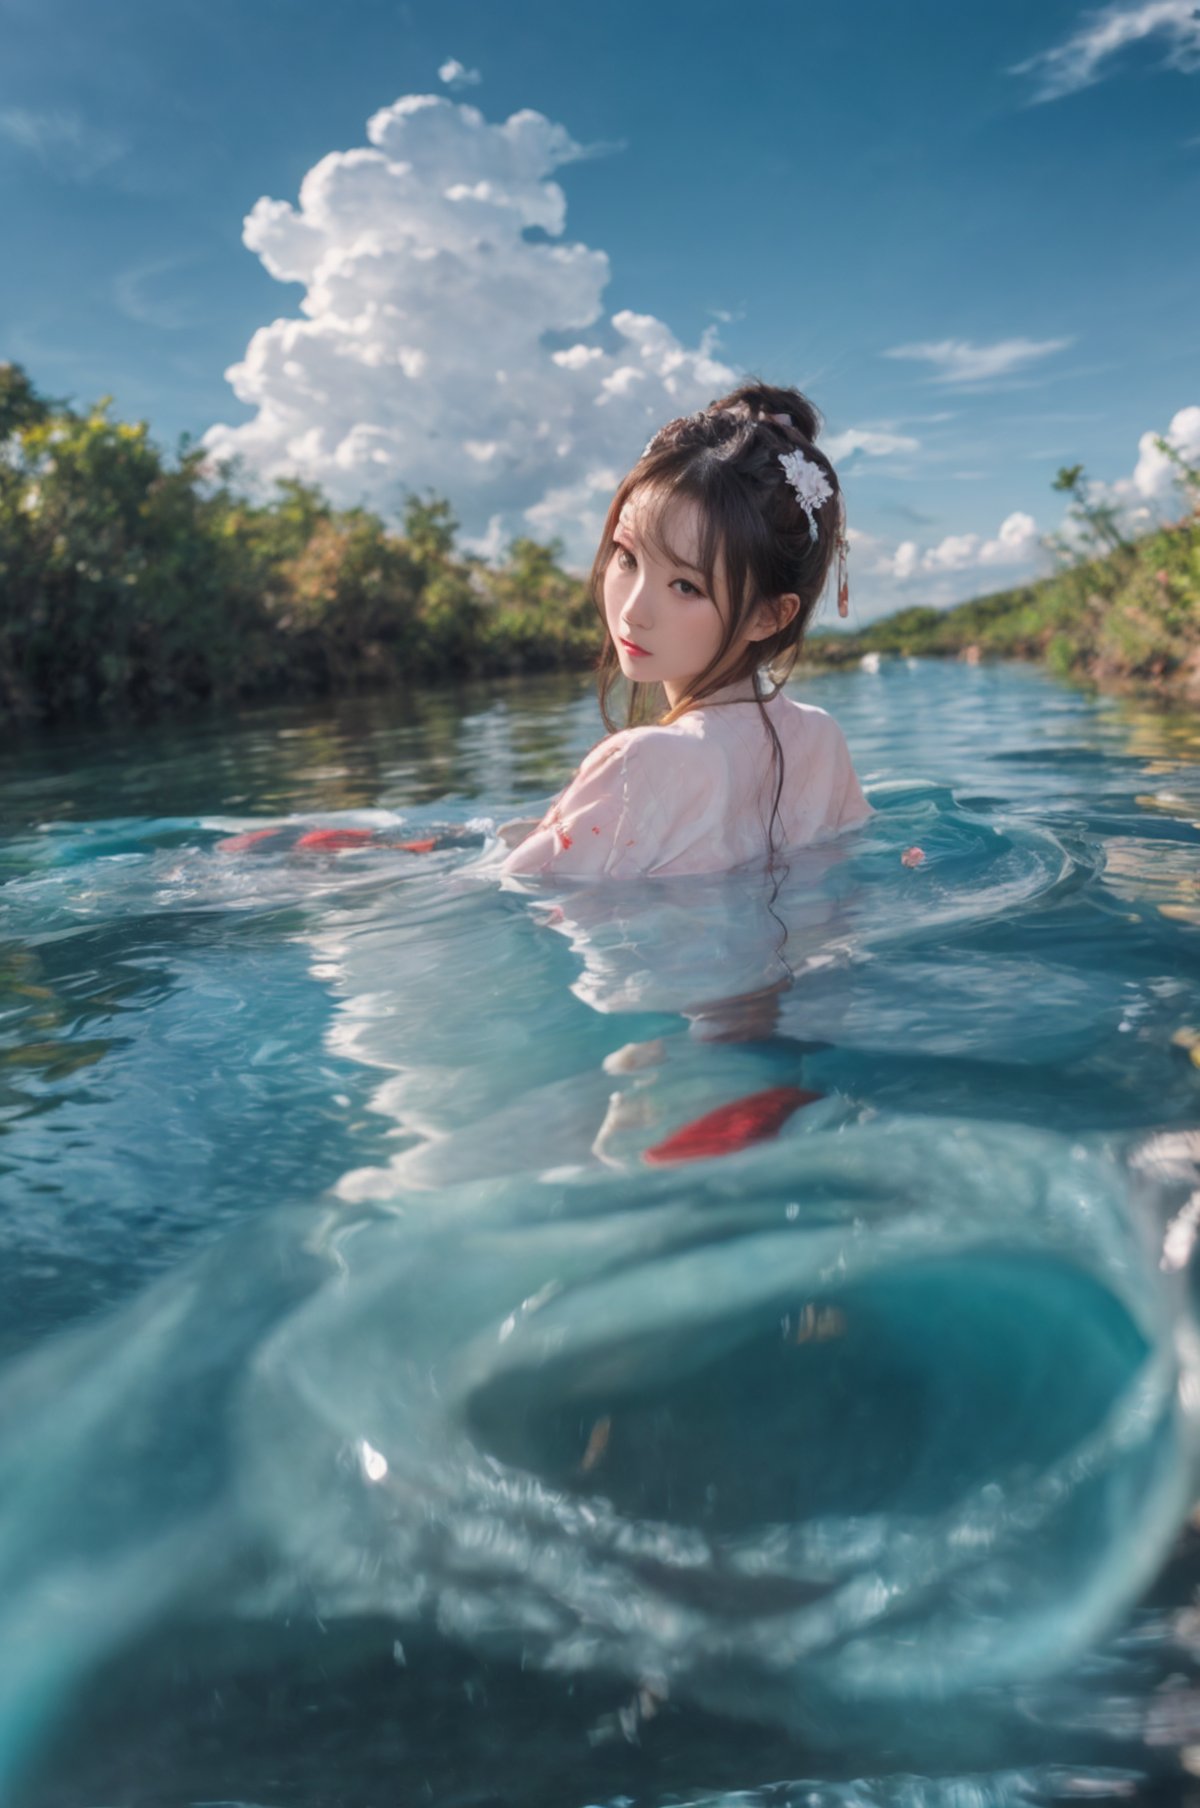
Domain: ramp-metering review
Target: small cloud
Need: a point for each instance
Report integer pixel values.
(958, 361)
(62, 141)
(1084, 58)
(1155, 477)
(903, 562)
(870, 444)
(457, 75)
(1015, 544)
(576, 357)
(954, 553)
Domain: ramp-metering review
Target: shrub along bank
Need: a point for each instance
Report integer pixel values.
(1125, 611)
(128, 582)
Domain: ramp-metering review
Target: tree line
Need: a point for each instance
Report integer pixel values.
(133, 583)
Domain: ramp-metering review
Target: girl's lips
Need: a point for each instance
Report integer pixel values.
(631, 647)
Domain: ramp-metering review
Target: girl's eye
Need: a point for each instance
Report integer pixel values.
(626, 561)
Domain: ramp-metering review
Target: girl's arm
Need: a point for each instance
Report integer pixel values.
(578, 832)
(640, 801)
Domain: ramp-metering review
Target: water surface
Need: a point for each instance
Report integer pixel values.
(664, 1341)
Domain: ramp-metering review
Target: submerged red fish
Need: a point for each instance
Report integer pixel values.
(236, 844)
(330, 840)
(323, 841)
(748, 1120)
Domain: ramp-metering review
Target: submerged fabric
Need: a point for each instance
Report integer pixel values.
(696, 796)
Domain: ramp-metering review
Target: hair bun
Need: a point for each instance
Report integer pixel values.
(790, 409)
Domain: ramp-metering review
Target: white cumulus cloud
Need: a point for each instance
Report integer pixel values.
(1153, 491)
(1155, 476)
(955, 553)
(958, 361)
(449, 337)
(1086, 56)
(903, 563)
(1016, 543)
(456, 75)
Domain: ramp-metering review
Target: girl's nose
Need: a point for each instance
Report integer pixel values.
(637, 609)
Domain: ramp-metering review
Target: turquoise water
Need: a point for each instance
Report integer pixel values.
(398, 1401)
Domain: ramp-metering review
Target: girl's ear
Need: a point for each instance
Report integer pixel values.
(773, 616)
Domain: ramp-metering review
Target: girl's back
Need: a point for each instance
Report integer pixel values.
(695, 796)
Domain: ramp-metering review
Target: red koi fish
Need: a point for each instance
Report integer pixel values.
(236, 844)
(328, 841)
(323, 841)
(748, 1120)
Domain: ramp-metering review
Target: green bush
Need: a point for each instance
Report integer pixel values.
(1128, 608)
(130, 583)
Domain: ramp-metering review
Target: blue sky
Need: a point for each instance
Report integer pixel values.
(968, 233)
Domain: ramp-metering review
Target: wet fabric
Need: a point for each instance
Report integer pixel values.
(696, 795)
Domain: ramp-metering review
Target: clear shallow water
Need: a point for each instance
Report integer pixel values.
(384, 1409)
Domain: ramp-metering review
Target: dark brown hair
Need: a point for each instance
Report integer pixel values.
(726, 458)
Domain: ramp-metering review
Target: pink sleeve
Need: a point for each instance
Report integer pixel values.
(578, 832)
(633, 803)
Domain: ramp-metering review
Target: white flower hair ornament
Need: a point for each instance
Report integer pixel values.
(810, 483)
(812, 487)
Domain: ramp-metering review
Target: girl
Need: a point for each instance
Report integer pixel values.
(713, 558)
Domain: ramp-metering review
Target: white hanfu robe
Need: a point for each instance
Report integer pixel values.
(695, 796)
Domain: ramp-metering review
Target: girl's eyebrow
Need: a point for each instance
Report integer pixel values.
(623, 527)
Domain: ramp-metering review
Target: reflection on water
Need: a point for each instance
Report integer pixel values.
(642, 1340)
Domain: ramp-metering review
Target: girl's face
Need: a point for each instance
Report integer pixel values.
(660, 607)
